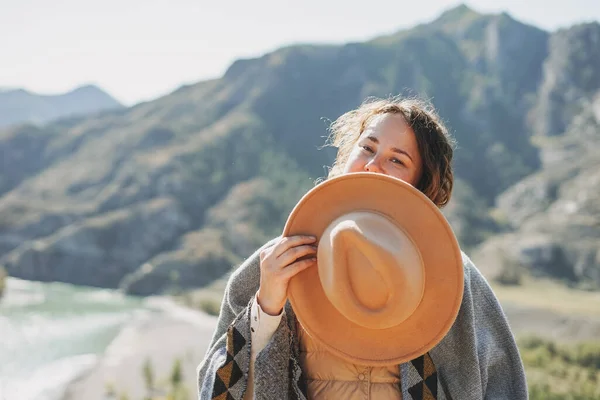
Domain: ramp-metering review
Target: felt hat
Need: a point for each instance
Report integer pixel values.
(388, 283)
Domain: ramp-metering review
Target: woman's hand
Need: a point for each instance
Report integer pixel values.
(278, 264)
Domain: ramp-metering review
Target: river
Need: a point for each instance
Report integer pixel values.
(51, 332)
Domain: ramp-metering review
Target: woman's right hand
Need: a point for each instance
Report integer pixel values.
(278, 264)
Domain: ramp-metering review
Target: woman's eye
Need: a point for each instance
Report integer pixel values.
(367, 148)
(396, 161)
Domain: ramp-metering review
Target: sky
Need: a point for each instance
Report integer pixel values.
(137, 50)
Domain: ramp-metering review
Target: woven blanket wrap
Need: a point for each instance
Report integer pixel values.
(477, 359)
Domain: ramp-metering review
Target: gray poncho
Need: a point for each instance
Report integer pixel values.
(477, 359)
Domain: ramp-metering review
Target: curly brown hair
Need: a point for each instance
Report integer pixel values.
(436, 145)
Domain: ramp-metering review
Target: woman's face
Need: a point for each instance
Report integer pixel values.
(387, 146)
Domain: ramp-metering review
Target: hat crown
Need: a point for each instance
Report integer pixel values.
(366, 282)
(370, 269)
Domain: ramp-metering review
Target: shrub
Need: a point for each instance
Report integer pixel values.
(511, 273)
(561, 371)
(3, 276)
(211, 307)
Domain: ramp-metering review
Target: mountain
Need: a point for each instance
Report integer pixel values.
(172, 193)
(21, 106)
(554, 214)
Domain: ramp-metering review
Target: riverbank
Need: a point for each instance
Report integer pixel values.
(51, 332)
(175, 332)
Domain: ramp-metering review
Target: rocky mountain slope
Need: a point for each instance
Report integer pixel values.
(172, 193)
(21, 106)
(554, 214)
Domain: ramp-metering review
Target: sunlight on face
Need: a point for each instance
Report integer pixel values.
(387, 146)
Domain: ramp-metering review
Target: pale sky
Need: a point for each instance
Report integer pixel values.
(137, 50)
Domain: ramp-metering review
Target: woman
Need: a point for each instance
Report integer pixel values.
(259, 350)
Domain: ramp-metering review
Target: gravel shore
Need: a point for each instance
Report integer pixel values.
(161, 337)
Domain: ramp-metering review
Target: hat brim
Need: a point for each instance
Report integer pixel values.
(435, 240)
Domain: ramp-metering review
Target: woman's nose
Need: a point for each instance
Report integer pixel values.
(373, 166)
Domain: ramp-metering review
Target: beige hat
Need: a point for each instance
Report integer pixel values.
(389, 277)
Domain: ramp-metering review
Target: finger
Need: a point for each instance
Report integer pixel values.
(298, 266)
(295, 253)
(292, 241)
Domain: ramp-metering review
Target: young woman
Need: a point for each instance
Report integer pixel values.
(259, 350)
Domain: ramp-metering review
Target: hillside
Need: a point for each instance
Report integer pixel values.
(19, 106)
(554, 214)
(172, 193)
